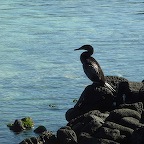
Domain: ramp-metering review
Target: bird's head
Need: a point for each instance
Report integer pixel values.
(85, 47)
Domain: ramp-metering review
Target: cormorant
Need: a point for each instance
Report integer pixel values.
(92, 68)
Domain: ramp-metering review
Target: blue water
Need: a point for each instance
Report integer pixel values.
(38, 66)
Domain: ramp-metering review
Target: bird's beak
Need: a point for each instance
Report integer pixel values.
(78, 49)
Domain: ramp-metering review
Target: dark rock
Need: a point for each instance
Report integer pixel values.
(17, 126)
(138, 136)
(86, 138)
(92, 126)
(106, 141)
(72, 113)
(40, 129)
(115, 80)
(134, 106)
(128, 92)
(117, 114)
(80, 118)
(130, 122)
(124, 130)
(92, 98)
(48, 137)
(45, 138)
(108, 133)
(141, 93)
(66, 135)
(88, 122)
(26, 141)
(20, 125)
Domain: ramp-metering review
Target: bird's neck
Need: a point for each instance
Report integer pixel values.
(85, 55)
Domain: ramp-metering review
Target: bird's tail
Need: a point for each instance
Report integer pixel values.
(110, 87)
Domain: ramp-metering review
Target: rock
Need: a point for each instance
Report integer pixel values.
(128, 92)
(44, 138)
(130, 122)
(29, 141)
(124, 130)
(66, 135)
(138, 136)
(134, 106)
(48, 137)
(141, 93)
(40, 129)
(108, 133)
(118, 114)
(86, 138)
(92, 98)
(115, 80)
(92, 126)
(27, 122)
(20, 125)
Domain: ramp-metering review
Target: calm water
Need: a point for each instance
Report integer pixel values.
(38, 66)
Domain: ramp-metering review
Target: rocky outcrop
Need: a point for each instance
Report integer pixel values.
(101, 116)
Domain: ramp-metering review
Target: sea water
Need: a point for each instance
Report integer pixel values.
(41, 74)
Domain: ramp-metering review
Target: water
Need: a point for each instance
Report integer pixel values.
(38, 65)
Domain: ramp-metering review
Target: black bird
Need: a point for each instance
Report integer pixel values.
(92, 68)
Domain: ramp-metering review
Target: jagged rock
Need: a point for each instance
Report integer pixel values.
(66, 135)
(40, 129)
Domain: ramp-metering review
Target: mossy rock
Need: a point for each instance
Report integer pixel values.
(27, 122)
(20, 125)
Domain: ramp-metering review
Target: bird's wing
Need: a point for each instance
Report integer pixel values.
(93, 70)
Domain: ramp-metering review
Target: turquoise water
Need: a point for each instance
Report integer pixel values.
(38, 66)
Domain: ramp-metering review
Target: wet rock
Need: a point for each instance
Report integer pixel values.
(66, 135)
(17, 126)
(20, 125)
(40, 129)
